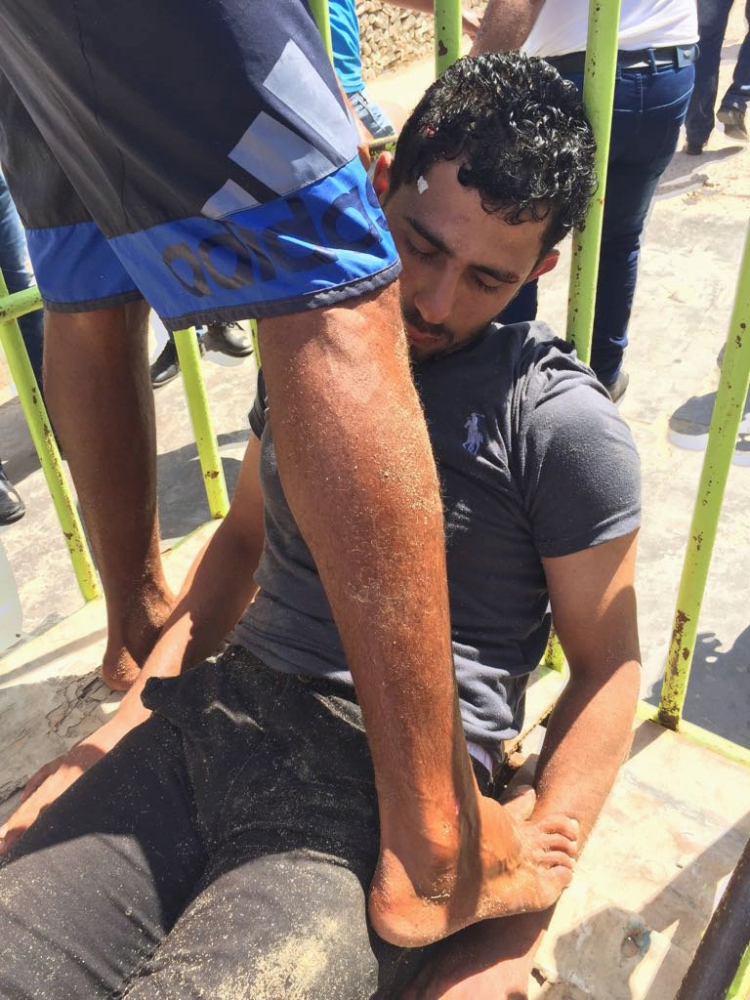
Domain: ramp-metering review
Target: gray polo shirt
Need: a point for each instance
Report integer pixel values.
(534, 462)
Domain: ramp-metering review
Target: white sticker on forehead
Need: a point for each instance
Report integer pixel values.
(422, 185)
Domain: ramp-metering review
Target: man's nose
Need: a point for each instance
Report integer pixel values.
(435, 299)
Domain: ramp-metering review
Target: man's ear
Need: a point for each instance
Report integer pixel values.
(546, 264)
(381, 175)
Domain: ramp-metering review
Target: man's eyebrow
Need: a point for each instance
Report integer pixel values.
(507, 277)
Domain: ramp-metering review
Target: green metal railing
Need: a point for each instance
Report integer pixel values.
(322, 17)
(40, 428)
(447, 34)
(598, 99)
(728, 409)
(200, 417)
(598, 91)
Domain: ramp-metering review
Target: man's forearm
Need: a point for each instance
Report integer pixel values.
(587, 740)
(506, 25)
(216, 591)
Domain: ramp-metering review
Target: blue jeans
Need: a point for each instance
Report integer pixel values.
(712, 23)
(18, 276)
(649, 108)
(371, 115)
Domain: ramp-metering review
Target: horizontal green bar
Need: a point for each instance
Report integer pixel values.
(698, 735)
(19, 304)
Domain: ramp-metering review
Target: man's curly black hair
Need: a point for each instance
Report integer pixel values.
(520, 133)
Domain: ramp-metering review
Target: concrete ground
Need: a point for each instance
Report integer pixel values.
(636, 893)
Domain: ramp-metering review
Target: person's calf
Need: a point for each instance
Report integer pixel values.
(132, 636)
(101, 403)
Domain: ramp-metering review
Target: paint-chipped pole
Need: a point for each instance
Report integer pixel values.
(37, 420)
(598, 98)
(319, 10)
(722, 437)
(188, 353)
(447, 34)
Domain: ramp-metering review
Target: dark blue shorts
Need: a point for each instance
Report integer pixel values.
(192, 152)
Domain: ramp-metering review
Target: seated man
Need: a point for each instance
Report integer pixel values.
(226, 846)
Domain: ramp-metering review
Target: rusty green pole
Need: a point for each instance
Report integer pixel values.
(722, 436)
(11, 307)
(598, 98)
(319, 10)
(254, 338)
(740, 988)
(447, 34)
(188, 353)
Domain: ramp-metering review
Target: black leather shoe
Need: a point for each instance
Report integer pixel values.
(617, 388)
(12, 507)
(733, 121)
(166, 367)
(693, 148)
(229, 338)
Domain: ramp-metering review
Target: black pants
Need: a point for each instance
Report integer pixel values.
(222, 851)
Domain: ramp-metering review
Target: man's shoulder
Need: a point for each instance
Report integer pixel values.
(535, 360)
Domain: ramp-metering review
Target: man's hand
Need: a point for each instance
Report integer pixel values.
(54, 778)
(492, 960)
(460, 972)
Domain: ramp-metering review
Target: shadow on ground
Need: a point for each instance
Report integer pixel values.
(684, 173)
(718, 696)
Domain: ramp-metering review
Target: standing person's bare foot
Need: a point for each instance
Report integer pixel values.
(129, 646)
(505, 865)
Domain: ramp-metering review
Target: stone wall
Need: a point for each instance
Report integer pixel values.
(393, 36)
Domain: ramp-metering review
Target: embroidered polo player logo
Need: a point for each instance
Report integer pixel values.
(474, 435)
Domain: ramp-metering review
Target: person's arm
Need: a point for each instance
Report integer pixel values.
(506, 25)
(216, 591)
(470, 19)
(588, 737)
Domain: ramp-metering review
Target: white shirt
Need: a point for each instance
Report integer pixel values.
(562, 26)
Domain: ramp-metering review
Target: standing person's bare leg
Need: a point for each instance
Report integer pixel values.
(357, 469)
(101, 403)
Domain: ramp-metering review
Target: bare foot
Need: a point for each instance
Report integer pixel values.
(129, 646)
(506, 865)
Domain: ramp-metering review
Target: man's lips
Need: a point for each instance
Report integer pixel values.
(421, 337)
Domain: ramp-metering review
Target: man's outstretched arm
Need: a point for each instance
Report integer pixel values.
(506, 25)
(216, 591)
(588, 737)
(357, 470)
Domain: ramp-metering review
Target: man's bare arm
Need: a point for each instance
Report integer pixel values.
(216, 591)
(506, 25)
(588, 737)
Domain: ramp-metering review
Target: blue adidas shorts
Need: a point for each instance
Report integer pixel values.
(192, 152)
